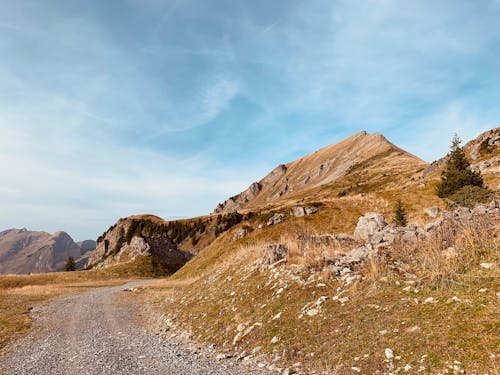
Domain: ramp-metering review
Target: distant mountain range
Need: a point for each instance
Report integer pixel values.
(23, 251)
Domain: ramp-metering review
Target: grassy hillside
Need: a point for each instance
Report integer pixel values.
(435, 313)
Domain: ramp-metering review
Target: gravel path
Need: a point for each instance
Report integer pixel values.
(92, 333)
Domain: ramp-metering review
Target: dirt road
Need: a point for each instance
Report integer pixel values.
(92, 333)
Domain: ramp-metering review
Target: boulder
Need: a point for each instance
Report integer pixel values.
(276, 252)
(276, 219)
(432, 211)
(368, 225)
(300, 211)
(310, 210)
(240, 234)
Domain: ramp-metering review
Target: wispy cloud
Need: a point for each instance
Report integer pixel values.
(215, 97)
(149, 110)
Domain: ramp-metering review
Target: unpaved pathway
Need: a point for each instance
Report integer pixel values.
(92, 333)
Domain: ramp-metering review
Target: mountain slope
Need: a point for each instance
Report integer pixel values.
(24, 251)
(360, 159)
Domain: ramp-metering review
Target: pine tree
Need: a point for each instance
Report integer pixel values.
(457, 172)
(400, 214)
(70, 264)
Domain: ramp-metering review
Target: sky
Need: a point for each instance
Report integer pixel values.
(112, 108)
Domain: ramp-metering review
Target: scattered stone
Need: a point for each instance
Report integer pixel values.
(430, 300)
(343, 300)
(389, 354)
(277, 316)
(487, 265)
(357, 369)
(483, 290)
(453, 299)
(274, 340)
(312, 312)
(382, 332)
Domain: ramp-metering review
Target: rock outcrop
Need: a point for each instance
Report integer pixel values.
(373, 234)
(132, 237)
(370, 224)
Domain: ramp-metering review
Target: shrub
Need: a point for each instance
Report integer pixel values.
(70, 264)
(468, 196)
(400, 214)
(485, 147)
(457, 172)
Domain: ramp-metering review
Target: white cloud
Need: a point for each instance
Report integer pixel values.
(215, 98)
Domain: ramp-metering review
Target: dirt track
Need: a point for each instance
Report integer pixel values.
(92, 333)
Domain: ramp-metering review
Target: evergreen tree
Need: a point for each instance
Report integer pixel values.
(70, 264)
(400, 214)
(457, 172)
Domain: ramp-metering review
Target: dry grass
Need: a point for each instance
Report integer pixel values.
(386, 308)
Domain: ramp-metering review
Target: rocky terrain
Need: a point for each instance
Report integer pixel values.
(23, 251)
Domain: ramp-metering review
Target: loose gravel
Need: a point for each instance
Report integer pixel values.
(93, 333)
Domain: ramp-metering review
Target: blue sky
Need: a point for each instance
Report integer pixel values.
(111, 108)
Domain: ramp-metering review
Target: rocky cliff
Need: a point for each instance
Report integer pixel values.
(137, 236)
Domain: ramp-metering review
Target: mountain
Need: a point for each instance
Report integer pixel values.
(318, 278)
(327, 190)
(23, 251)
(358, 160)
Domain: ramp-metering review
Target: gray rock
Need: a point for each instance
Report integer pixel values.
(240, 234)
(276, 252)
(310, 210)
(432, 211)
(276, 219)
(298, 211)
(368, 225)
(494, 204)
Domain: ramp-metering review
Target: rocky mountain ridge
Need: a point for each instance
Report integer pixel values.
(330, 164)
(23, 251)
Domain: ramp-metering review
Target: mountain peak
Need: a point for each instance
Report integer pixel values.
(330, 164)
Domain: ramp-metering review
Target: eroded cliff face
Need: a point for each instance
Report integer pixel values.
(132, 237)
